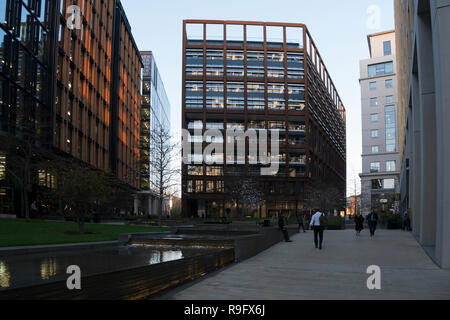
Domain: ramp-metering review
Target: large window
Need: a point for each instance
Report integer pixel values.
(235, 63)
(214, 63)
(296, 97)
(381, 69)
(194, 95)
(275, 92)
(375, 167)
(255, 96)
(235, 95)
(214, 95)
(391, 128)
(391, 166)
(194, 62)
(295, 66)
(255, 64)
(373, 85)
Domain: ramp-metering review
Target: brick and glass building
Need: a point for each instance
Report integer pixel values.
(259, 75)
(70, 77)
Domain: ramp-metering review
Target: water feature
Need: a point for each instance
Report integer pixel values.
(33, 269)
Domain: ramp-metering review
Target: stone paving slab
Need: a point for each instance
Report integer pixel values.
(297, 271)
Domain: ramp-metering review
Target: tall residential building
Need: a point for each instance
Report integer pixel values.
(155, 114)
(70, 81)
(424, 28)
(262, 76)
(380, 160)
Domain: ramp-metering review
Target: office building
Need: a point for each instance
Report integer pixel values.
(155, 114)
(70, 83)
(262, 76)
(380, 160)
(423, 30)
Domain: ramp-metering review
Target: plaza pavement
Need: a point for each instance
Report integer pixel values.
(297, 271)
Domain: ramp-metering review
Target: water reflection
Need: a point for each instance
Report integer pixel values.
(48, 268)
(34, 269)
(5, 276)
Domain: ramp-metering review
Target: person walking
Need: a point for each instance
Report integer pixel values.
(301, 222)
(282, 226)
(318, 224)
(359, 221)
(372, 219)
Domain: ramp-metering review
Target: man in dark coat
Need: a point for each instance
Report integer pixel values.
(359, 223)
(282, 226)
(372, 219)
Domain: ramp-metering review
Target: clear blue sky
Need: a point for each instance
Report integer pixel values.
(339, 29)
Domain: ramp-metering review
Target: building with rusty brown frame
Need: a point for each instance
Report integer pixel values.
(260, 75)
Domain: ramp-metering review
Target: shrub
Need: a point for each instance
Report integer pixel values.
(335, 223)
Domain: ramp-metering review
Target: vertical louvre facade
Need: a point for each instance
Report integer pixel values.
(58, 83)
(256, 75)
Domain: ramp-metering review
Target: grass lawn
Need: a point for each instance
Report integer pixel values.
(37, 232)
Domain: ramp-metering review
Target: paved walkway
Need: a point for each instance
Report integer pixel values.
(297, 271)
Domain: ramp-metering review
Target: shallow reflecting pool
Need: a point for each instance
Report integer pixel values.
(32, 269)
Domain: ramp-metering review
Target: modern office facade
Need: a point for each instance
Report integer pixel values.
(70, 79)
(240, 75)
(423, 28)
(155, 114)
(379, 100)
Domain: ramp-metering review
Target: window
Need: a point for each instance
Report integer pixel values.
(389, 83)
(377, 184)
(387, 48)
(194, 95)
(375, 149)
(390, 99)
(374, 167)
(374, 117)
(374, 133)
(391, 166)
(391, 129)
(389, 184)
(373, 85)
(373, 102)
(381, 69)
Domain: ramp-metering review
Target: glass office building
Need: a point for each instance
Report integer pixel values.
(73, 89)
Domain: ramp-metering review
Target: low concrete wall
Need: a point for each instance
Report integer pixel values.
(131, 284)
(249, 246)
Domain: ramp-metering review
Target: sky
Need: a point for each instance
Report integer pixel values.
(339, 29)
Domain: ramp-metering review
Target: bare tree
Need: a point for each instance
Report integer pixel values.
(324, 196)
(246, 191)
(164, 152)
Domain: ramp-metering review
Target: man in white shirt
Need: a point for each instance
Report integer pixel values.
(318, 229)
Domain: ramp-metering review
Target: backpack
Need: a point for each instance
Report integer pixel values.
(323, 220)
